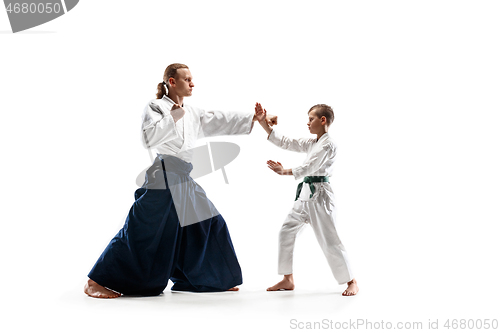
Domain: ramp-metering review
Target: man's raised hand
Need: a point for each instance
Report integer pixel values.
(262, 115)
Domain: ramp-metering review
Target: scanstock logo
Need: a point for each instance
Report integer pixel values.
(205, 159)
(28, 14)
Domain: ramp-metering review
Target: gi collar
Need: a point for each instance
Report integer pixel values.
(165, 97)
(323, 137)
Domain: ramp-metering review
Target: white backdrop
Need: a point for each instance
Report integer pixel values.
(414, 86)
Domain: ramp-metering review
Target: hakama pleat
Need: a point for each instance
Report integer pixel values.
(153, 247)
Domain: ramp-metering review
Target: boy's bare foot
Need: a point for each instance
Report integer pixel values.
(233, 289)
(352, 288)
(93, 289)
(285, 284)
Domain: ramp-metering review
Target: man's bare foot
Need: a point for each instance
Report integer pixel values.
(93, 289)
(352, 288)
(233, 289)
(285, 284)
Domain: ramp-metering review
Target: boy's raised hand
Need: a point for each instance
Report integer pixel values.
(271, 120)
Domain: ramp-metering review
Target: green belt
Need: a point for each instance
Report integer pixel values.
(310, 180)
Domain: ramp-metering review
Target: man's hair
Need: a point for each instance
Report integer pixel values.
(323, 110)
(171, 71)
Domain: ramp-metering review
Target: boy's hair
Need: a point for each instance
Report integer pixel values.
(323, 110)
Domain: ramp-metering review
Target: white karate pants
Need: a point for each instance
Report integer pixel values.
(319, 211)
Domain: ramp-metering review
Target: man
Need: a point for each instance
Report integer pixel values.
(173, 231)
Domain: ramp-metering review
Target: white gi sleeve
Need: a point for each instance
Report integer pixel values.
(297, 145)
(214, 123)
(318, 160)
(158, 126)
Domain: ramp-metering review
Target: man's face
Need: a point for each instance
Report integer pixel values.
(183, 83)
(314, 123)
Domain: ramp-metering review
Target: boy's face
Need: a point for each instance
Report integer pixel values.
(314, 124)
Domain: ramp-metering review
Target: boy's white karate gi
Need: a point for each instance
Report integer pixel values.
(318, 210)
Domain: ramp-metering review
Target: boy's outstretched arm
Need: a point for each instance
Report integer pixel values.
(278, 168)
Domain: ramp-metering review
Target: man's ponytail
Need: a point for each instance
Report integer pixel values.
(162, 90)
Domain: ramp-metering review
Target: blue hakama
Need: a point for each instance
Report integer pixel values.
(153, 247)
